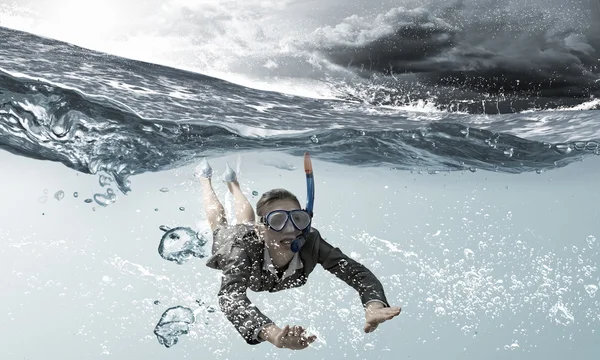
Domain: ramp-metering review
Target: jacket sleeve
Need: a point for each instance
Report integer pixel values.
(356, 275)
(233, 301)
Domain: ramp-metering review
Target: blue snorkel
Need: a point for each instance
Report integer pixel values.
(310, 199)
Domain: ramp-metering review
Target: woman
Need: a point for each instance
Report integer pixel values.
(257, 256)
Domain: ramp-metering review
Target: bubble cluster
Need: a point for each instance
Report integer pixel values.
(504, 279)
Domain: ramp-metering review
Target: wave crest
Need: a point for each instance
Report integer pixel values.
(94, 134)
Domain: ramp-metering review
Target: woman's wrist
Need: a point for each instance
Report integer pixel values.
(268, 333)
(374, 305)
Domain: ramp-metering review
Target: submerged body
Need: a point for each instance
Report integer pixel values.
(246, 264)
(257, 255)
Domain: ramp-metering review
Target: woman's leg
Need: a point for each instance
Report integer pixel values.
(215, 213)
(244, 213)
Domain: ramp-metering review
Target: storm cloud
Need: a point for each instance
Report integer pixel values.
(492, 46)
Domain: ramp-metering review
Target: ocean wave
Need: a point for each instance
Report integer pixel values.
(94, 134)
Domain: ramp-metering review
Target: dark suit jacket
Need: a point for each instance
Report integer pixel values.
(239, 253)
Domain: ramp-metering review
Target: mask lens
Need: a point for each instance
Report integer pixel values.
(277, 220)
(301, 219)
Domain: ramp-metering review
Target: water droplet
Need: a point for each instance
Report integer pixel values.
(156, 302)
(314, 139)
(472, 169)
(469, 254)
(59, 195)
(156, 209)
(181, 208)
(509, 152)
(539, 171)
(445, 252)
(591, 290)
(440, 311)
(75, 194)
(164, 190)
(211, 309)
(575, 249)
(88, 201)
(563, 148)
(254, 193)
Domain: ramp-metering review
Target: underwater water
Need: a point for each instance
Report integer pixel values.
(483, 264)
(466, 182)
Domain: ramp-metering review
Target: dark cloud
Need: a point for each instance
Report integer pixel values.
(491, 46)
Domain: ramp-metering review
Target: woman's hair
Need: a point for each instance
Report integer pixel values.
(274, 195)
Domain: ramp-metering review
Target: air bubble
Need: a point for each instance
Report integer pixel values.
(561, 314)
(563, 149)
(591, 289)
(59, 195)
(469, 254)
(105, 199)
(591, 240)
(104, 180)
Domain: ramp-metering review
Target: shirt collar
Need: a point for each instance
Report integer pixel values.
(295, 264)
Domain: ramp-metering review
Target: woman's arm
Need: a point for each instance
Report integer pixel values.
(247, 319)
(254, 326)
(352, 273)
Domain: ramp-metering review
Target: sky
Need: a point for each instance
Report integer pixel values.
(308, 39)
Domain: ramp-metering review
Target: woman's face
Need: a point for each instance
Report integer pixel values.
(280, 241)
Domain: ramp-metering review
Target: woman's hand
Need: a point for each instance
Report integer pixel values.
(293, 338)
(376, 313)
